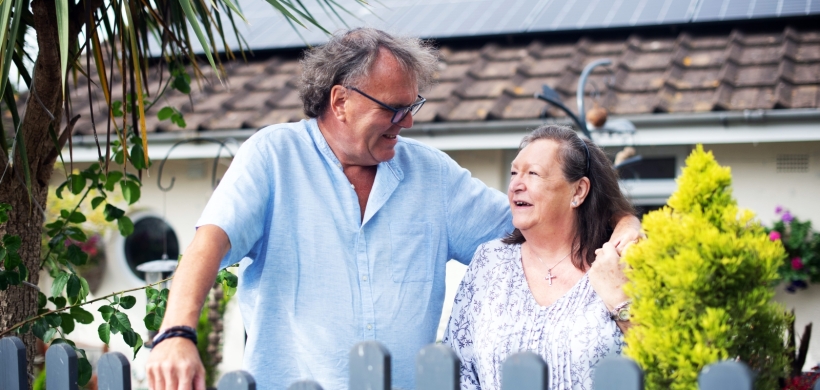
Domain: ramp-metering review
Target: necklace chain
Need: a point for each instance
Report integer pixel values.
(549, 276)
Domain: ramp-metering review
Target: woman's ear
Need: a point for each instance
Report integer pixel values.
(581, 192)
(338, 97)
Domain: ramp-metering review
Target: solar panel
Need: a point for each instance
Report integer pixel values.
(461, 18)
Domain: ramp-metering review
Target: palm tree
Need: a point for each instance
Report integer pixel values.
(97, 39)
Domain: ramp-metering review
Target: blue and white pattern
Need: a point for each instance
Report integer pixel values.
(495, 315)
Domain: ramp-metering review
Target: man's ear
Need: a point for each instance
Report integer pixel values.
(338, 97)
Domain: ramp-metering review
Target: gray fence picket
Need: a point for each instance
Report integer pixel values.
(13, 364)
(61, 367)
(727, 375)
(816, 385)
(437, 368)
(113, 372)
(524, 371)
(617, 373)
(305, 385)
(236, 380)
(369, 366)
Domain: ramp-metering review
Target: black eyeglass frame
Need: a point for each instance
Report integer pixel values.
(400, 112)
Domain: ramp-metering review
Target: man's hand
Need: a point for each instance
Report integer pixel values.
(627, 231)
(174, 365)
(607, 276)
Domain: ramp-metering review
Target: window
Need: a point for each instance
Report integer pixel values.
(146, 243)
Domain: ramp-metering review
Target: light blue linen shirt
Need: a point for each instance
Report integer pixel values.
(316, 277)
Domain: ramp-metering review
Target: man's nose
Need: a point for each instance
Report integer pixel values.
(406, 122)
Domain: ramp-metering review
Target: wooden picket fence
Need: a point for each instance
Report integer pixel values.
(437, 368)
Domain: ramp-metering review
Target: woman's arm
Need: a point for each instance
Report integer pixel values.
(607, 278)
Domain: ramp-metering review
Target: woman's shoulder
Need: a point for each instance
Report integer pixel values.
(493, 252)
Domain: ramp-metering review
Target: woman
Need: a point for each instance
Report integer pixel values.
(545, 288)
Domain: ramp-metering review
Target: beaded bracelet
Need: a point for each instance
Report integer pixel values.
(176, 331)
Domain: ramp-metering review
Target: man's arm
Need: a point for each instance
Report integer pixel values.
(627, 231)
(174, 364)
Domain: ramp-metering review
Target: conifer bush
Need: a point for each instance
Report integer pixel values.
(702, 284)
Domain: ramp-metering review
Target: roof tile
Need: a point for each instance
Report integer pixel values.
(289, 100)
(485, 89)
(523, 109)
(756, 76)
(642, 81)
(462, 56)
(696, 79)
(752, 98)
(704, 58)
(805, 97)
(272, 117)
(648, 61)
(808, 52)
(806, 74)
(452, 72)
(471, 110)
(761, 55)
(547, 67)
(557, 51)
(270, 82)
(249, 101)
(494, 70)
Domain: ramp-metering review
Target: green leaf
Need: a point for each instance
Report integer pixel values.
(12, 242)
(125, 225)
(76, 217)
(104, 331)
(39, 328)
(41, 300)
(111, 213)
(119, 158)
(164, 294)
(137, 344)
(15, 27)
(192, 20)
(60, 188)
(84, 289)
(81, 315)
(13, 260)
(49, 334)
(53, 320)
(22, 270)
(179, 120)
(128, 302)
(130, 337)
(116, 108)
(152, 321)
(137, 156)
(151, 293)
(123, 323)
(59, 302)
(72, 289)
(97, 201)
(4, 208)
(12, 278)
(76, 255)
(181, 85)
(62, 34)
(67, 322)
(130, 191)
(75, 234)
(165, 112)
(59, 284)
(106, 311)
(112, 179)
(63, 341)
(116, 299)
(77, 182)
(83, 371)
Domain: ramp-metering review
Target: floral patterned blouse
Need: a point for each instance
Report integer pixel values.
(495, 315)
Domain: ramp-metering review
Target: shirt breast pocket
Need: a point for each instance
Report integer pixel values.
(411, 253)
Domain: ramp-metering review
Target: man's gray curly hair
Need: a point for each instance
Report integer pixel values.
(349, 56)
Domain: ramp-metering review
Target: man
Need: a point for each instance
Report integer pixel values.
(342, 228)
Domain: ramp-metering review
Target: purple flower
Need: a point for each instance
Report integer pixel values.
(787, 217)
(797, 263)
(778, 209)
(774, 235)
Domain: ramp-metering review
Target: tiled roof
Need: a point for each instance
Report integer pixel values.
(676, 72)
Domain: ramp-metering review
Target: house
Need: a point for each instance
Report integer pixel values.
(745, 82)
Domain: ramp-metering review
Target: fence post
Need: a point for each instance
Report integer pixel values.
(113, 372)
(13, 374)
(369, 366)
(236, 380)
(617, 373)
(437, 368)
(305, 385)
(726, 375)
(61, 367)
(524, 371)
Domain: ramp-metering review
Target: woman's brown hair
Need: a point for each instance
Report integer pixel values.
(604, 200)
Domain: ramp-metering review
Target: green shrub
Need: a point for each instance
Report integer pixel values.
(702, 285)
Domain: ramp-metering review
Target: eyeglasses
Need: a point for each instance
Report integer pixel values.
(398, 113)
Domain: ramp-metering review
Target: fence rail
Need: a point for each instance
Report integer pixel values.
(437, 368)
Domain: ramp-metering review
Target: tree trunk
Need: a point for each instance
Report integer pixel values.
(26, 218)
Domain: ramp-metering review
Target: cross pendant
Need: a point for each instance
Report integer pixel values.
(549, 277)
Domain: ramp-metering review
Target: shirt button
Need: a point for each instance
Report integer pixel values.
(364, 278)
(369, 326)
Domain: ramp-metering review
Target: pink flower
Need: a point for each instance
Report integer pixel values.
(778, 209)
(774, 235)
(797, 263)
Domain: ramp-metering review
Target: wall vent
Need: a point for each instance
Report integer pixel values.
(792, 163)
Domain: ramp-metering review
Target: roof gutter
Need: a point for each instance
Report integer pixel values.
(750, 126)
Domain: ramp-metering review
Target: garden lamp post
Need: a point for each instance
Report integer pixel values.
(619, 125)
